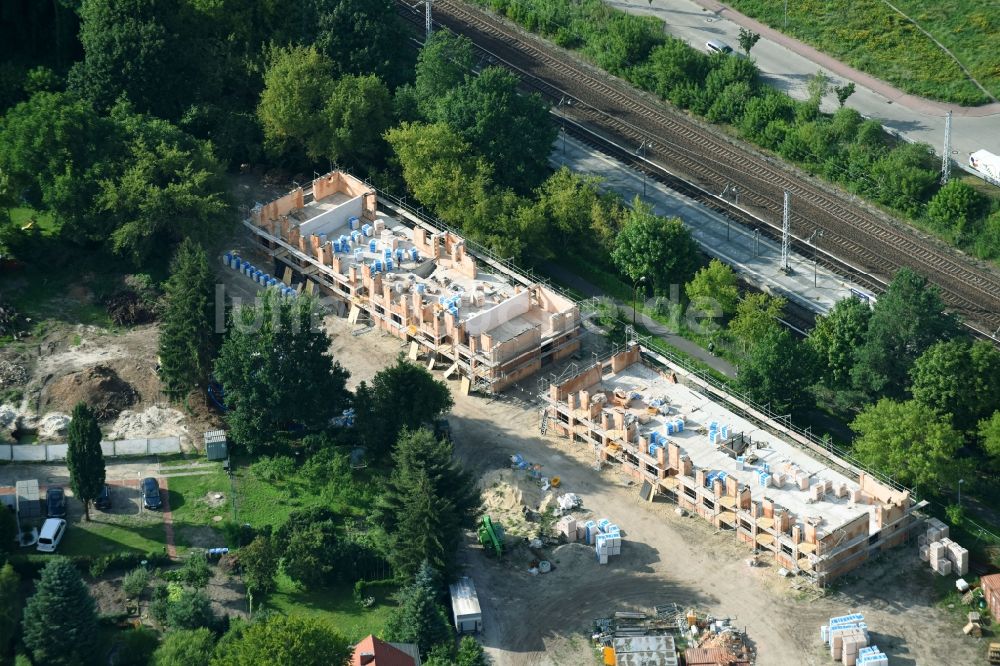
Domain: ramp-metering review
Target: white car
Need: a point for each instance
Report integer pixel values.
(51, 534)
(715, 46)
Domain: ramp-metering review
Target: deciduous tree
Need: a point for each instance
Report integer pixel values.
(310, 547)
(357, 114)
(844, 92)
(907, 319)
(778, 370)
(84, 457)
(404, 395)
(836, 338)
(277, 373)
(259, 563)
(908, 442)
(748, 39)
(187, 332)
(442, 65)
(658, 248)
(297, 86)
(756, 316)
(989, 439)
(959, 380)
(714, 285)
(955, 208)
(280, 639)
(513, 132)
(10, 607)
(183, 647)
(60, 620)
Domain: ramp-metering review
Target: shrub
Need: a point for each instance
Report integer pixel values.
(191, 610)
(134, 583)
(134, 647)
(273, 469)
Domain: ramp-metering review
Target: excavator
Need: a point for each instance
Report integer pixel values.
(491, 536)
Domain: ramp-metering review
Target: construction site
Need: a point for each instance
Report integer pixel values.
(642, 413)
(414, 281)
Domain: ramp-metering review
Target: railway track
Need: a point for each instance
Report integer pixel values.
(712, 162)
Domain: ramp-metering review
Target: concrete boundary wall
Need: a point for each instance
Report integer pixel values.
(121, 447)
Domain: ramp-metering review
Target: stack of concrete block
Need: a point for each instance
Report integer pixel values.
(870, 656)
(936, 530)
(802, 480)
(944, 555)
(817, 490)
(608, 540)
(841, 490)
(846, 635)
(567, 527)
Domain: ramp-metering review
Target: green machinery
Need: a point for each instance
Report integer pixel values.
(491, 536)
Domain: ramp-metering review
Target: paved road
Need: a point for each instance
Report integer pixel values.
(787, 64)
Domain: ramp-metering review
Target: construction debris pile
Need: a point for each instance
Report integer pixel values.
(847, 636)
(945, 556)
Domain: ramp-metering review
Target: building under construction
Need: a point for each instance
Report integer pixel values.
(402, 275)
(723, 459)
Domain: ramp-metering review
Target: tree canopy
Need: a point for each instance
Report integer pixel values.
(907, 441)
(60, 620)
(778, 370)
(958, 379)
(182, 647)
(837, 336)
(443, 63)
(658, 248)
(84, 456)
(280, 639)
(907, 319)
(714, 285)
(420, 618)
(756, 316)
(276, 371)
(187, 332)
(404, 395)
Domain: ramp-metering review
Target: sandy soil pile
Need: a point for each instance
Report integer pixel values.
(98, 386)
(153, 422)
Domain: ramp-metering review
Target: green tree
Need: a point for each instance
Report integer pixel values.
(574, 207)
(60, 620)
(195, 572)
(907, 319)
(10, 607)
(844, 92)
(658, 248)
(133, 48)
(427, 500)
(835, 338)
(259, 563)
(84, 457)
(404, 395)
(184, 647)
(187, 338)
(778, 370)
(908, 442)
(959, 380)
(420, 618)
(297, 86)
(903, 177)
(756, 315)
(442, 65)
(280, 639)
(360, 37)
(170, 187)
(513, 132)
(819, 84)
(748, 39)
(276, 371)
(192, 609)
(955, 208)
(989, 439)
(134, 647)
(356, 115)
(310, 547)
(470, 653)
(714, 284)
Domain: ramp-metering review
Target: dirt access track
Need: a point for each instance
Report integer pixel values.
(665, 558)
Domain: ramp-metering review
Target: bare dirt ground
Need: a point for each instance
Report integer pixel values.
(665, 558)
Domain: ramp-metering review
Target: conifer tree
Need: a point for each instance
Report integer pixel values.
(60, 620)
(420, 618)
(84, 457)
(187, 339)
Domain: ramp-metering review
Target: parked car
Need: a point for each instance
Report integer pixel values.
(55, 503)
(715, 46)
(151, 493)
(103, 501)
(51, 534)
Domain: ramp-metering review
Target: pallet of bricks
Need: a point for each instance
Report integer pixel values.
(944, 555)
(848, 639)
(604, 536)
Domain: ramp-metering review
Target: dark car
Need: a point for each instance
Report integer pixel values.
(55, 503)
(103, 501)
(151, 493)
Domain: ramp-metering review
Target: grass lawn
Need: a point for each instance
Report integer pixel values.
(101, 536)
(869, 35)
(335, 607)
(23, 216)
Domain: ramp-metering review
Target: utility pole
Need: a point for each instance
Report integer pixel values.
(641, 152)
(428, 21)
(946, 151)
(786, 225)
(812, 241)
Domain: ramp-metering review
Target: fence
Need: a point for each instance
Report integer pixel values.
(123, 447)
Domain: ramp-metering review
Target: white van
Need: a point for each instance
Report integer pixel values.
(51, 534)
